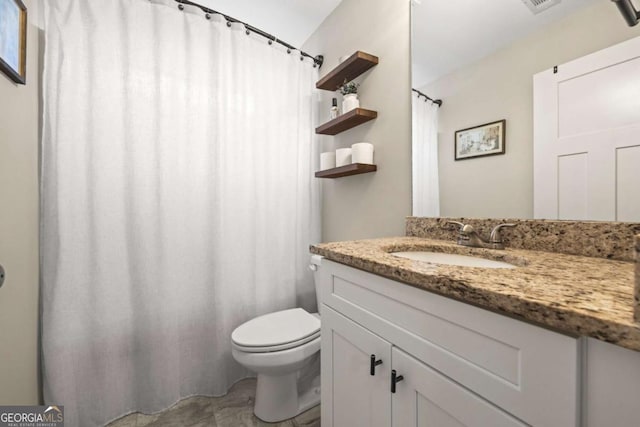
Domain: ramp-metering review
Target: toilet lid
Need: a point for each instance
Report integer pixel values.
(277, 328)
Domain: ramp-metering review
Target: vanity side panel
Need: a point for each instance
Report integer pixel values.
(611, 385)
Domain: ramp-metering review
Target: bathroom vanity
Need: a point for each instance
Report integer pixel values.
(412, 343)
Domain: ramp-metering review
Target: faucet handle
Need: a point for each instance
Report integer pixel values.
(495, 233)
(459, 224)
(467, 229)
(464, 228)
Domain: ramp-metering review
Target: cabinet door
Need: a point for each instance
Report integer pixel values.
(351, 396)
(426, 398)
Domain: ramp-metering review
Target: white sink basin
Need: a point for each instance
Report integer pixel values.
(453, 259)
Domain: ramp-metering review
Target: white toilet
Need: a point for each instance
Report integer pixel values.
(283, 348)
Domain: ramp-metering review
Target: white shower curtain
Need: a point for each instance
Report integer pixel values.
(426, 187)
(177, 201)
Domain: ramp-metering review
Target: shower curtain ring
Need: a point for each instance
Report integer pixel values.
(207, 16)
(181, 7)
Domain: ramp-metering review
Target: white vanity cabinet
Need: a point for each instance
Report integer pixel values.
(460, 365)
(361, 390)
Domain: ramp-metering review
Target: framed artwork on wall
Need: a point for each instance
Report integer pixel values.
(484, 140)
(13, 40)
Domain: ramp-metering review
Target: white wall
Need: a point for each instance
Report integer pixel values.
(19, 113)
(500, 86)
(289, 20)
(374, 204)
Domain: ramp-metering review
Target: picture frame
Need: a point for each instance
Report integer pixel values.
(13, 40)
(479, 141)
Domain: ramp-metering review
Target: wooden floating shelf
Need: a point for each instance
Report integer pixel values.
(348, 70)
(346, 121)
(352, 169)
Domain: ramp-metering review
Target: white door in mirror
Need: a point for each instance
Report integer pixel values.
(586, 126)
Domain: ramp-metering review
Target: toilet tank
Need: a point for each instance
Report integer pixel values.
(315, 265)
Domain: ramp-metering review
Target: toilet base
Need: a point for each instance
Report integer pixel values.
(278, 399)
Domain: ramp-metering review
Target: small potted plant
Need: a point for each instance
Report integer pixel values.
(349, 93)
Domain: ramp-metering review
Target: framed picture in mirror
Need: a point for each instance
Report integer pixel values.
(13, 40)
(479, 141)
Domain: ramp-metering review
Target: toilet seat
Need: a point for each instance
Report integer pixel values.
(281, 347)
(277, 331)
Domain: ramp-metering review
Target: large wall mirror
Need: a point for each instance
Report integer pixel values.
(525, 111)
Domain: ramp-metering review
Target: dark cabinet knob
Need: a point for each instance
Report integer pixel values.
(374, 363)
(395, 379)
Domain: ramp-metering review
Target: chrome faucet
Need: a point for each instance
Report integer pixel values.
(468, 236)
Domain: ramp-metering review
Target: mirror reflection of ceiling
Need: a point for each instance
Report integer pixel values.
(448, 34)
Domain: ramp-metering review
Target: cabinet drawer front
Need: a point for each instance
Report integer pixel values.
(529, 371)
(425, 398)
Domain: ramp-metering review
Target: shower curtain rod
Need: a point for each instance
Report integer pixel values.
(317, 60)
(438, 102)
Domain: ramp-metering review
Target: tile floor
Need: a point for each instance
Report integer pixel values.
(235, 409)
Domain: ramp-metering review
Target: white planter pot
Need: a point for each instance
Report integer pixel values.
(350, 102)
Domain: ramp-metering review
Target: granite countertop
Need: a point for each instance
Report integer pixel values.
(577, 295)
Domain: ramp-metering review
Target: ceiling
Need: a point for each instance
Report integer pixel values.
(290, 20)
(447, 34)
